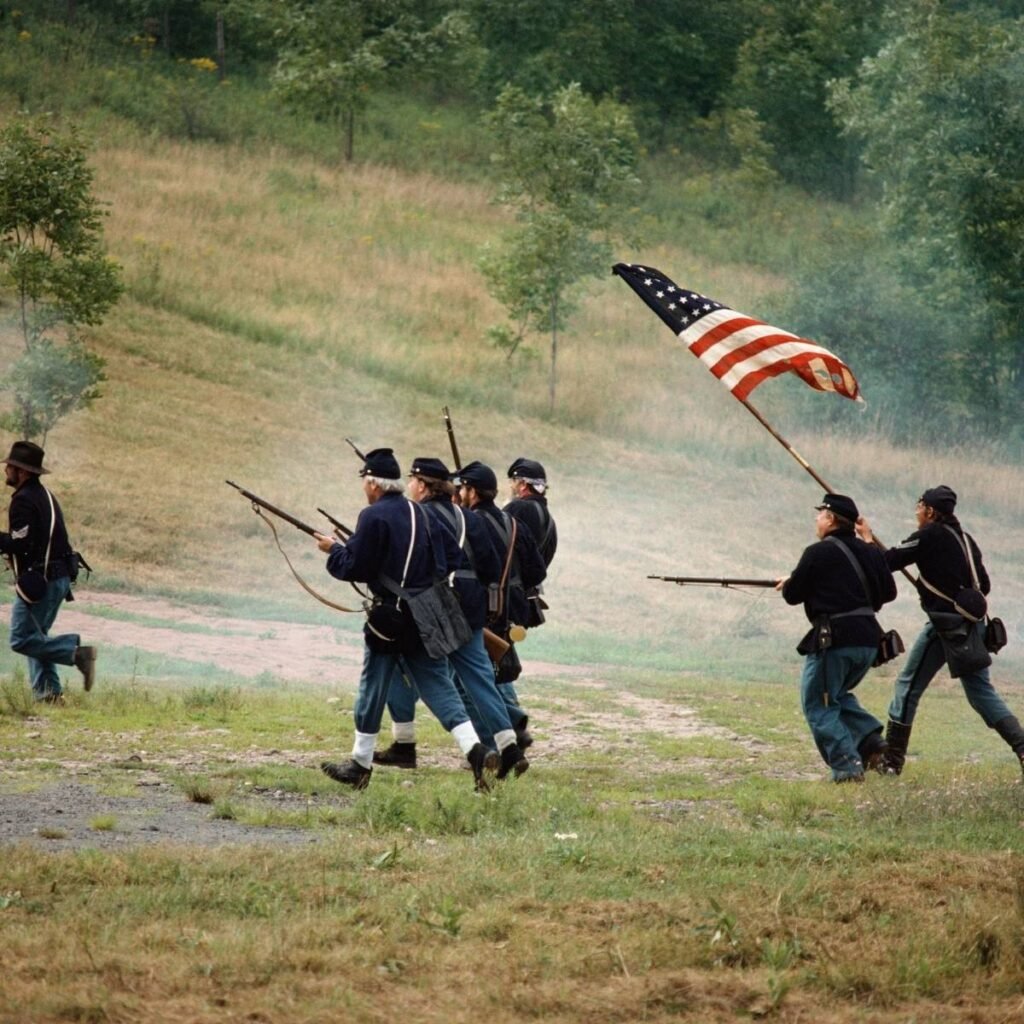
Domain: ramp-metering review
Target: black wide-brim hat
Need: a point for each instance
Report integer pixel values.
(28, 456)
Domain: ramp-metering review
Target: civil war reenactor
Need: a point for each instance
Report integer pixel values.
(841, 581)
(951, 577)
(523, 570)
(529, 506)
(392, 549)
(479, 569)
(44, 566)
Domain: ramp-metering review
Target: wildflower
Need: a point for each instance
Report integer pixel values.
(24, 35)
(203, 63)
(566, 835)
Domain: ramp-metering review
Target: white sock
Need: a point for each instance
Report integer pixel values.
(362, 748)
(465, 735)
(404, 732)
(505, 738)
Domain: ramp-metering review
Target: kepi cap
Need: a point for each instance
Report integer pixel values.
(841, 505)
(527, 469)
(941, 498)
(431, 469)
(478, 476)
(381, 462)
(28, 456)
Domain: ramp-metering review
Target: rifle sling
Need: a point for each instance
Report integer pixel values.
(302, 583)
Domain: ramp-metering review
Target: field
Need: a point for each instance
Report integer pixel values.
(674, 851)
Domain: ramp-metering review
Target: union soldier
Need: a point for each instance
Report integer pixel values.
(529, 507)
(478, 569)
(842, 582)
(393, 542)
(523, 571)
(44, 566)
(943, 553)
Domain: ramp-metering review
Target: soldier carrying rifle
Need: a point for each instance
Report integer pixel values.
(396, 552)
(841, 582)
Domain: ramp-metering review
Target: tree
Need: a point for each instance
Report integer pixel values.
(334, 52)
(52, 258)
(783, 70)
(941, 113)
(567, 169)
(670, 60)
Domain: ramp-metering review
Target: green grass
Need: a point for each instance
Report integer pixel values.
(609, 877)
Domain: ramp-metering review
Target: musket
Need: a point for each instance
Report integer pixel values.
(258, 502)
(451, 439)
(352, 445)
(339, 526)
(713, 581)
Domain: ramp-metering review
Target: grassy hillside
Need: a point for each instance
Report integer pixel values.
(277, 306)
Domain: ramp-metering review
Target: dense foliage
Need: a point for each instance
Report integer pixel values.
(905, 112)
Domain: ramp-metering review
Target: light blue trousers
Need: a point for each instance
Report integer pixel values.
(473, 675)
(924, 660)
(30, 635)
(838, 723)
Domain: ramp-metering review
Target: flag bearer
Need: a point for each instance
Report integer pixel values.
(842, 582)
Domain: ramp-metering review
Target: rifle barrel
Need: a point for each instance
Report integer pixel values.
(274, 510)
(339, 526)
(352, 445)
(451, 439)
(713, 581)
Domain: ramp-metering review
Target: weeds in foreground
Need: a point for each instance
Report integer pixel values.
(16, 697)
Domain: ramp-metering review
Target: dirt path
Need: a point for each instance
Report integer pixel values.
(63, 815)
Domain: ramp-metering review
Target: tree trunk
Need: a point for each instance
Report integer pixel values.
(554, 357)
(221, 68)
(350, 130)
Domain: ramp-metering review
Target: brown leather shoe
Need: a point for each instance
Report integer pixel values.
(85, 662)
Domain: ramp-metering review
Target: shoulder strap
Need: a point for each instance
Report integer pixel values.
(966, 548)
(49, 540)
(859, 570)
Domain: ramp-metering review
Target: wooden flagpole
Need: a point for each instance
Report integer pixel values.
(808, 467)
(785, 444)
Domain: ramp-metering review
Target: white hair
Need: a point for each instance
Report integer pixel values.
(386, 485)
(540, 486)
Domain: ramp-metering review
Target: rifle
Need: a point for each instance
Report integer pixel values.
(258, 502)
(451, 438)
(339, 526)
(352, 445)
(713, 581)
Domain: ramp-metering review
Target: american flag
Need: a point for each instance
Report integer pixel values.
(739, 350)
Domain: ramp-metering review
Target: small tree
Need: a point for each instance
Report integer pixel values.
(333, 53)
(52, 258)
(567, 169)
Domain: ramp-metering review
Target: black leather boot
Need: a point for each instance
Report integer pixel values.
(512, 760)
(348, 773)
(873, 750)
(897, 737)
(398, 755)
(481, 758)
(1012, 731)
